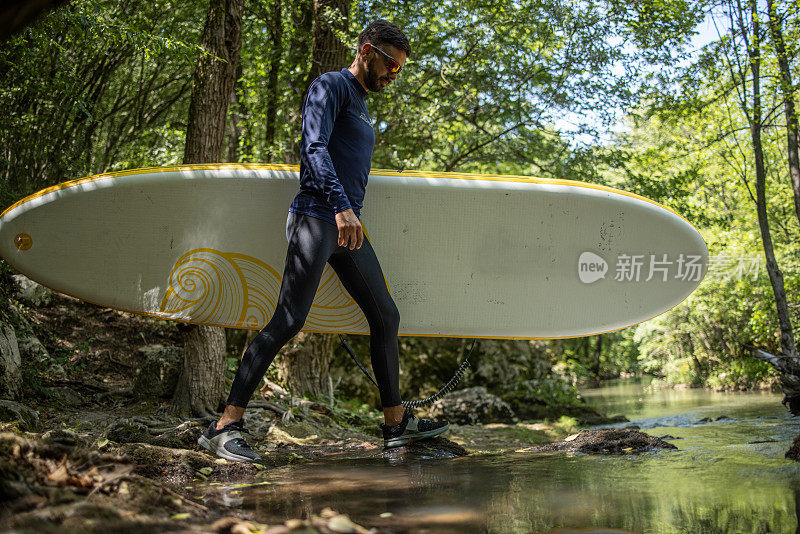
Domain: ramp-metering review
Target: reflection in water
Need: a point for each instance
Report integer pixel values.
(729, 475)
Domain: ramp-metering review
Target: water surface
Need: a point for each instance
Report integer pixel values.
(729, 475)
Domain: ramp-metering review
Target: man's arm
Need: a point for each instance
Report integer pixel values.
(322, 105)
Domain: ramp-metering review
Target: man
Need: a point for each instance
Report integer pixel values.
(323, 227)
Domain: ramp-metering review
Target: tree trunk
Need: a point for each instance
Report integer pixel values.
(790, 362)
(213, 82)
(273, 95)
(328, 52)
(305, 368)
(201, 387)
(297, 54)
(236, 131)
(598, 351)
(304, 365)
(792, 141)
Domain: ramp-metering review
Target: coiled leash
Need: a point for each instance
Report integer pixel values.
(447, 388)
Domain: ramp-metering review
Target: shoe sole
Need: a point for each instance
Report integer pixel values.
(404, 440)
(221, 452)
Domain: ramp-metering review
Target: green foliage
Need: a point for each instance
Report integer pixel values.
(692, 151)
(355, 414)
(94, 86)
(527, 87)
(548, 391)
(510, 369)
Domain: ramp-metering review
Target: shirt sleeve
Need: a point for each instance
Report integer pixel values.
(324, 100)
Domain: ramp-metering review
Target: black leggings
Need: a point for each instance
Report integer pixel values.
(312, 243)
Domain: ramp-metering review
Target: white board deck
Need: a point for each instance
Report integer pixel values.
(463, 255)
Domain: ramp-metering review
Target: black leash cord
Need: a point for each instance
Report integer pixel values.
(447, 388)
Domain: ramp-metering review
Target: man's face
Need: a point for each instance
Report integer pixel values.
(378, 75)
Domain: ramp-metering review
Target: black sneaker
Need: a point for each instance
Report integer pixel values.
(411, 428)
(228, 442)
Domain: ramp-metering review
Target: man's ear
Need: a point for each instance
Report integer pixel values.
(365, 50)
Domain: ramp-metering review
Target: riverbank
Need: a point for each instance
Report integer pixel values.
(64, 473)
(91, 444)
(97, 468)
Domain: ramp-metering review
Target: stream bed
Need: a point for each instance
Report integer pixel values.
(729, 474)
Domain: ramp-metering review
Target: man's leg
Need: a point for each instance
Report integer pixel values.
(362, 277)
(361, 274)
(311, 242)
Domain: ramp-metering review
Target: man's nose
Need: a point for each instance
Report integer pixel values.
(392, 76)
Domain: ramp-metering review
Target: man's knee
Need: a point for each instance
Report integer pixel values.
(293, 327)
(391, 317)
(283, 326)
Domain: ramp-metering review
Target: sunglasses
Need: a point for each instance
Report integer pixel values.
(391, 63)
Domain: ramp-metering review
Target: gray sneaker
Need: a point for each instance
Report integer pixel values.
(411, 428)
(228, 442)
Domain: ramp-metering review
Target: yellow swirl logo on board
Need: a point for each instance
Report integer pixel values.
(208, 286)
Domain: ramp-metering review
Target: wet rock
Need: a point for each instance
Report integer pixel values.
(705, 420)
(473, 405)
(609, 441)
(427, 449)
(794, 451)
(588, 416)
(32, 293)
(10, 371)
(440, 445)
(158, 374)
(11, 411)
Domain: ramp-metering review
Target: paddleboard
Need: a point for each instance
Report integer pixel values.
(463, 255)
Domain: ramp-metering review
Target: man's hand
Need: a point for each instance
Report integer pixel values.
(351, 234)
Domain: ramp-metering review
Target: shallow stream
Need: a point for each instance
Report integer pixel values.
(729, 475)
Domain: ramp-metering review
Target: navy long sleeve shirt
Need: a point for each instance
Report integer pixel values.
(335, 147)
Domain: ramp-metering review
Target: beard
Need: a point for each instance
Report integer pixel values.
(372, 79)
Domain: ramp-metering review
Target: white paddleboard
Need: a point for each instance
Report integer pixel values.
(463, 255)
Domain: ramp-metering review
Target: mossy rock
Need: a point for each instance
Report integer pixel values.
(14, 412)
(608, 441)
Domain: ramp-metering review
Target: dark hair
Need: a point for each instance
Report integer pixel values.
(383, 32)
